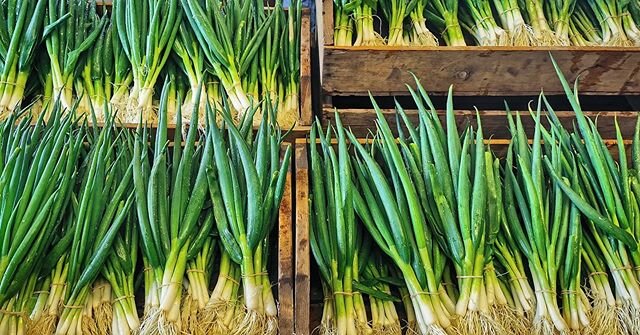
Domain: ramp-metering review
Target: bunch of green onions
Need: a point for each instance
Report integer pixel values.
(75, 26)
(246, 179)
(38, 172)
(20, 30)
(103, 203)
(170, 193)
(478, 17)
(147, 30)
(230, 46)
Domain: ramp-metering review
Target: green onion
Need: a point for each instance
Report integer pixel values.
(170, 191)
(38, 174)
(559, 13)
(147, 30)
(229, 46)
(103, 203)
(448, 12)
(478, 15)
(534, 16)
(513, 22)
(21, 24)
(420, 34)
(74, 28)
(246, 178)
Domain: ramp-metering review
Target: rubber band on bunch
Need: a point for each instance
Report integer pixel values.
(12, 84)
(124, 297)
(230, 279)
(598, 273)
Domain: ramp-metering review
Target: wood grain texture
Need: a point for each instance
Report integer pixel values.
(303, 255)
(285, 260)
(499, 71)
(494, 123)
(306, 112)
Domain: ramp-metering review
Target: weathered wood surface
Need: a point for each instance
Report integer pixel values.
(303, 255)
(494, 123)
(285, 260)
(306, 105)
(479, 70)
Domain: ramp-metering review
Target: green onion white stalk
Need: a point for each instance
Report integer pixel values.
(363, 14)
(559, 13)
(510, 14)
(396, 11)
(478, 15)
(419, 33)
(229, 47)
(608, 15)
(151, 28)
(247, 176)
(343, 26)
(103, 201)
(21, 25)
(75, 27)
(170, 194)
(288, 109)
(120, 270)
(448, 12)
(534, 15)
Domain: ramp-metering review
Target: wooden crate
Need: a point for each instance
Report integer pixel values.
(493, 122)
(473, 70)
(285, 257)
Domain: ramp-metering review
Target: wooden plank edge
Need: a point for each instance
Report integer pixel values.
(494, 122)
(387, 48)
(306, 111)
(302, 289)
(285, 260)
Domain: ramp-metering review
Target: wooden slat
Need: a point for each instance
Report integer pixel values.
(494, 123)
(285, 260)
(303, 274)
(306, 112)
(498, 71)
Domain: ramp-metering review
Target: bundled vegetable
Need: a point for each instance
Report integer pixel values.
(334, 233)
(75, 28)
(479, 19)
(170, 192)
(246, 179)
(39, 166)
(21, 25)
(103, 203)
(147, 30)
(230, 47)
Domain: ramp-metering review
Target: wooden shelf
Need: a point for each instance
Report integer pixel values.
(472, 70)
(501, 71)
(493, 122)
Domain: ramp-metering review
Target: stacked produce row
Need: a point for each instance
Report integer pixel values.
(487, 22)
(92, 217)
(113, 60)
(432, 232)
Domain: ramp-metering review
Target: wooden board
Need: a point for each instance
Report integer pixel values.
(302, 268)
(306, 111)
(285, 260)
(494, 123)
(499, 71)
